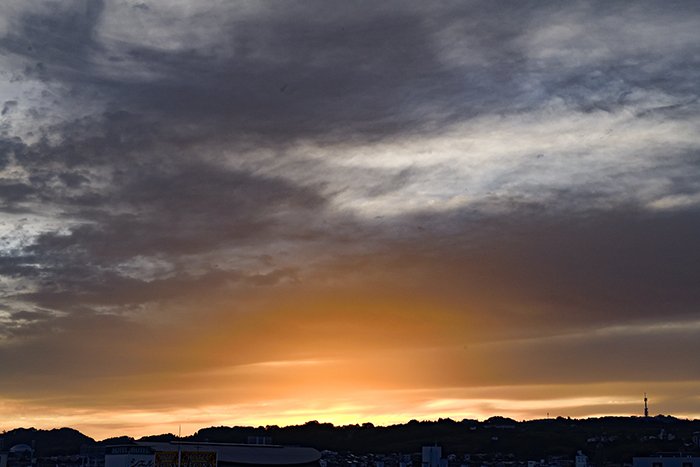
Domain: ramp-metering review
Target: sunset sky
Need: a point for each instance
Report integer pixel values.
(269, 212)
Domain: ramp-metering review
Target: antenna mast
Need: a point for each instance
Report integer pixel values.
(179, 446)
(646, 407)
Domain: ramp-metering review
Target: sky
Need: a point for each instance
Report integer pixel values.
(257, 212)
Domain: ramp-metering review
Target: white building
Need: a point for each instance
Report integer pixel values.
(129, 456)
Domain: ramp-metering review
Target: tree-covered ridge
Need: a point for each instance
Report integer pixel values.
(612, 439)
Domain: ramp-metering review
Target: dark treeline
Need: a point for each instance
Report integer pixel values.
(614, 439)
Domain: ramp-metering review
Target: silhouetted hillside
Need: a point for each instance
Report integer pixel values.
(163, 438)
(116, 440)
(611, 439)
(47, 442)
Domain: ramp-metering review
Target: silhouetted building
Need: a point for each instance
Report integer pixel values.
(432, 457)
(259, 440)
(192, 454)
(20, 455)
(129, 456)
(676, 460)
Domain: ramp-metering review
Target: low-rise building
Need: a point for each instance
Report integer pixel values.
(193, 454)
(666, 460)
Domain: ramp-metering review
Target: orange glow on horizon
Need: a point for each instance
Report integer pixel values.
(335, 358)
(380, 407)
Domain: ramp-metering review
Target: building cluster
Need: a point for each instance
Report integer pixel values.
(431, 456)
(260, 452)
(173, 454)
(19, 455)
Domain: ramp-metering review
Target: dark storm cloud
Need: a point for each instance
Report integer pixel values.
(627, 357)
(539, 272)
(353, 72)
(72, 180)
(350, 73)
(312, 69)
(280, 75)
(113, 290)
(189, 211)
(7, 107)
(161, 202)
(11, 193)
(8, 147)
(55, 38)
(175, 145)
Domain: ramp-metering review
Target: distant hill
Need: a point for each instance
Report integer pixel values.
(612, 439)
(59, 441)
(607, 438)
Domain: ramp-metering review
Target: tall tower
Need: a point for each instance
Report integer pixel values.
(646, 407)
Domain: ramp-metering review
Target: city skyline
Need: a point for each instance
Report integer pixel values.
(251, 212)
